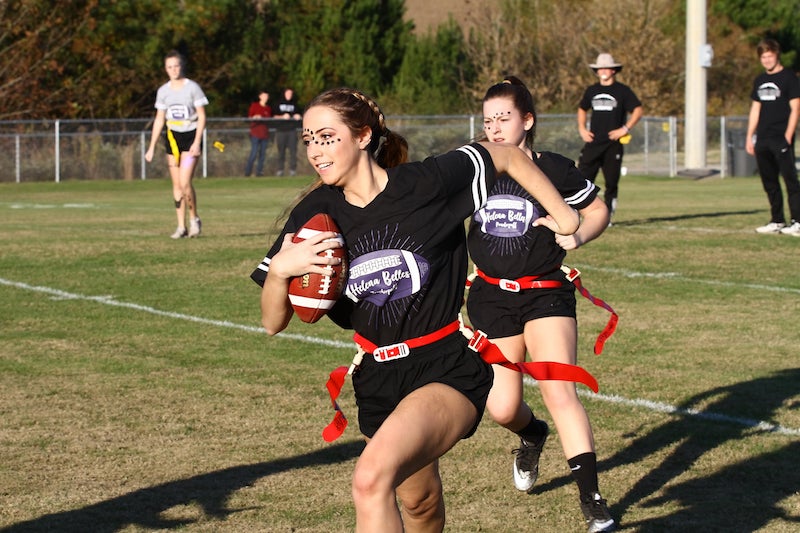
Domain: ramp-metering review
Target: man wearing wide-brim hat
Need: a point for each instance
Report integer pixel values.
(615, 111)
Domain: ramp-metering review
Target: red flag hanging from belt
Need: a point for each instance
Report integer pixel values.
(479, 342)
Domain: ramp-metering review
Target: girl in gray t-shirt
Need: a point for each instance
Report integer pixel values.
(180, 105)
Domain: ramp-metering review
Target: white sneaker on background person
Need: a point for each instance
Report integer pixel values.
(793, 229)
(772, 227)
(195, 227)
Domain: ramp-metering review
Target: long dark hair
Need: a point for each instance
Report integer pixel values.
(511, 87)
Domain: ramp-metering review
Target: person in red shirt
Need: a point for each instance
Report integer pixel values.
(259, 133)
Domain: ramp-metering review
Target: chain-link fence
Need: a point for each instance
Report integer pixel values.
(114, 149)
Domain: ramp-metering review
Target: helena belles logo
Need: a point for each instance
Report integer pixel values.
(506, 215)
(386, 275)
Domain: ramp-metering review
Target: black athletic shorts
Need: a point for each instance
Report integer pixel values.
(500, 313)
(184, 139)
(379, 387)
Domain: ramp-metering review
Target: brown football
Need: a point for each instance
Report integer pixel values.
(313, 295)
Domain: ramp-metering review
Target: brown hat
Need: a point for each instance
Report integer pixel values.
(606, 61)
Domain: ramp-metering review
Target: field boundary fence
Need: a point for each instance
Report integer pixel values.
(56, 150)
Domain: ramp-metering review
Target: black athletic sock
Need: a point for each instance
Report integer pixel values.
(535, 431)
(584, 470)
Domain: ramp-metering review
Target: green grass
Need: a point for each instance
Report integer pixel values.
(139, 395)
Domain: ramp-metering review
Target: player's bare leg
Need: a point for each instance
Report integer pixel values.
(187, 167)
(178, 196)
(400, 460)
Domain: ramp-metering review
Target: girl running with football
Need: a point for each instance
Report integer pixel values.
(181, 107)
(523, 301)
(419, 388)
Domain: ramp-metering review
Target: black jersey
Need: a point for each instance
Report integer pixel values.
(407, 248)
(502, 241)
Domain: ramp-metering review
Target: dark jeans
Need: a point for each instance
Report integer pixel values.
(287, 140)
(775, 157)
(258, 148)
(605, 156)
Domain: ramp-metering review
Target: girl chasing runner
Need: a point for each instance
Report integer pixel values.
(524, 301)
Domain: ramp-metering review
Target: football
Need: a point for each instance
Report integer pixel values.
(313, 295)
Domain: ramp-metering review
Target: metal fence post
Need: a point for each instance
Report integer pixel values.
(17, 162)
(205, 152)
(723, 148)
(646, 146)
(673, 147)
(58, 152)
(142, 154)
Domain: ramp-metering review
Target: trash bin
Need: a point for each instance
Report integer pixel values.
(740, 162)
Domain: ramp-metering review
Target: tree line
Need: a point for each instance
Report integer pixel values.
(104, 58)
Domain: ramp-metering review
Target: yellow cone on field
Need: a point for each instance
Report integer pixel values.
(219, 146)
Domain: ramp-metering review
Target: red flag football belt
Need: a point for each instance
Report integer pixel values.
(383, 354)
(573, 275)
(478, 342)
(516, 285)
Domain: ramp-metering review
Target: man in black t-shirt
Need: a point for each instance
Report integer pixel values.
(286, 136)
(773, 120)
(610, 102)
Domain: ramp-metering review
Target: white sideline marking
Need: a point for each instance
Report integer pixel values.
(18, 205)
(647, 404)
(678, 277)
(109, 300)
(671, 409)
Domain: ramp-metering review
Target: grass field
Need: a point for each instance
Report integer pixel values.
(139, 393)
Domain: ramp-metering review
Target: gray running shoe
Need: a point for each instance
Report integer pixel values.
(526, 463)
(596, 513)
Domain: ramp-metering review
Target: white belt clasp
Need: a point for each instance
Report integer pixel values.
(388, 353)
(509, 285)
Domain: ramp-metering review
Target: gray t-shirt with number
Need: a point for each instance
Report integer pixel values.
(180, 105)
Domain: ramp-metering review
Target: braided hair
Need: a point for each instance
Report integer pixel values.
(511, 87)
(358, 111)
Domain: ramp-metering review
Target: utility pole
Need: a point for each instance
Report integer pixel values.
(698, 57)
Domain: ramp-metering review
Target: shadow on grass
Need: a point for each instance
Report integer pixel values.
(674, 218)
(741, 496)
(211, 491)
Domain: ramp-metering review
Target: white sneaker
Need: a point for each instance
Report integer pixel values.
(195, 227)
(179, 233)
(772, 227)
(793, 230)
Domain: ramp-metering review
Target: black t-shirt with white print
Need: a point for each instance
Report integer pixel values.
(610, 105)
(774, 91)
(502, 241)
(407, 248)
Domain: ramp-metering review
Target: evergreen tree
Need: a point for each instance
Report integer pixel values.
(434, 75)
